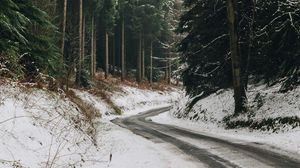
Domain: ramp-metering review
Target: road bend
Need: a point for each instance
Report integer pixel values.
(211, 151)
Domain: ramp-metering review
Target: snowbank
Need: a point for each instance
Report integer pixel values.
(265, 102)
(43, 129)
(133, 100)
(40, 128)
(130, 100)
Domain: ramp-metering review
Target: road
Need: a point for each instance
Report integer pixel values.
(211, 151)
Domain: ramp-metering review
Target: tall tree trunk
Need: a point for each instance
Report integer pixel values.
(106, 55)
(239, 90)
(166, 65)
(123, 51)
(83, 42)
(169, 68)
(139, 60)
(63, 81)
(63, 32)
(151, 63)
(176, 74)
(110, 60)
(78, 78)
(250, 42)
(113, 54)
(143, 58)
(92, 46)
(95, 48)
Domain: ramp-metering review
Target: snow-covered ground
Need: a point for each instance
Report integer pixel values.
(266, 102)
(127, 149)
(133, 100)
(40, 128)
(131, 151)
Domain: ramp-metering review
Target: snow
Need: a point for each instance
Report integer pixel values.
(129, 150)
(288, 141)
(276, 104)
(265, 102)
(130, 100)
(134, 100)
(207, 115)
(97, 102)
(40, 128)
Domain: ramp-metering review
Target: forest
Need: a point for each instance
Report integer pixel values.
(145, 40)
(98, 83)
(230, 43)
(70, 40)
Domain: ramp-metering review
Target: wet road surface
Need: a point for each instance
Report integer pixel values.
(209, 150)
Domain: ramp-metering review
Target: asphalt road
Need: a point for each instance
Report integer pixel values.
(211, 151)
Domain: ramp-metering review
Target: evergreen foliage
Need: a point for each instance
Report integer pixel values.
(143, 20)
(205, 47)
(277, 40)
(268, 38)
(24, 45)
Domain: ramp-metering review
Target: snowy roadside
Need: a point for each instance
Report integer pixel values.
(206, 117)
(130, 101)
(128, 150)
(40, 128)
(134, 101)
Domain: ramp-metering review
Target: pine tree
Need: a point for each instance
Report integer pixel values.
(27, 43)
(205, 47)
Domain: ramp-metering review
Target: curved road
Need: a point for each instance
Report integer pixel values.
(211, 151)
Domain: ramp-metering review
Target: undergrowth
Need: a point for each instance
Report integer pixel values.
(268, 124)
(112, 83)
(107, 99)
(89, 111)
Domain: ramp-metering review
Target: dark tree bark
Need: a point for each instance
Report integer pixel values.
(64, 31)
(83, 43)
(79, 63)
(143, 58)
(151, 63)
(93, 47)
(239, 90)
(123, 51)
(251, 16)
(169, 68)
(139, 60)
(113, 55)
(106, 55)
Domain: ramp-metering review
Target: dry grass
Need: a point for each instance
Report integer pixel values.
(106, 97)
(3, 80)
(89, 111)
(115, 83)
(101, 87)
